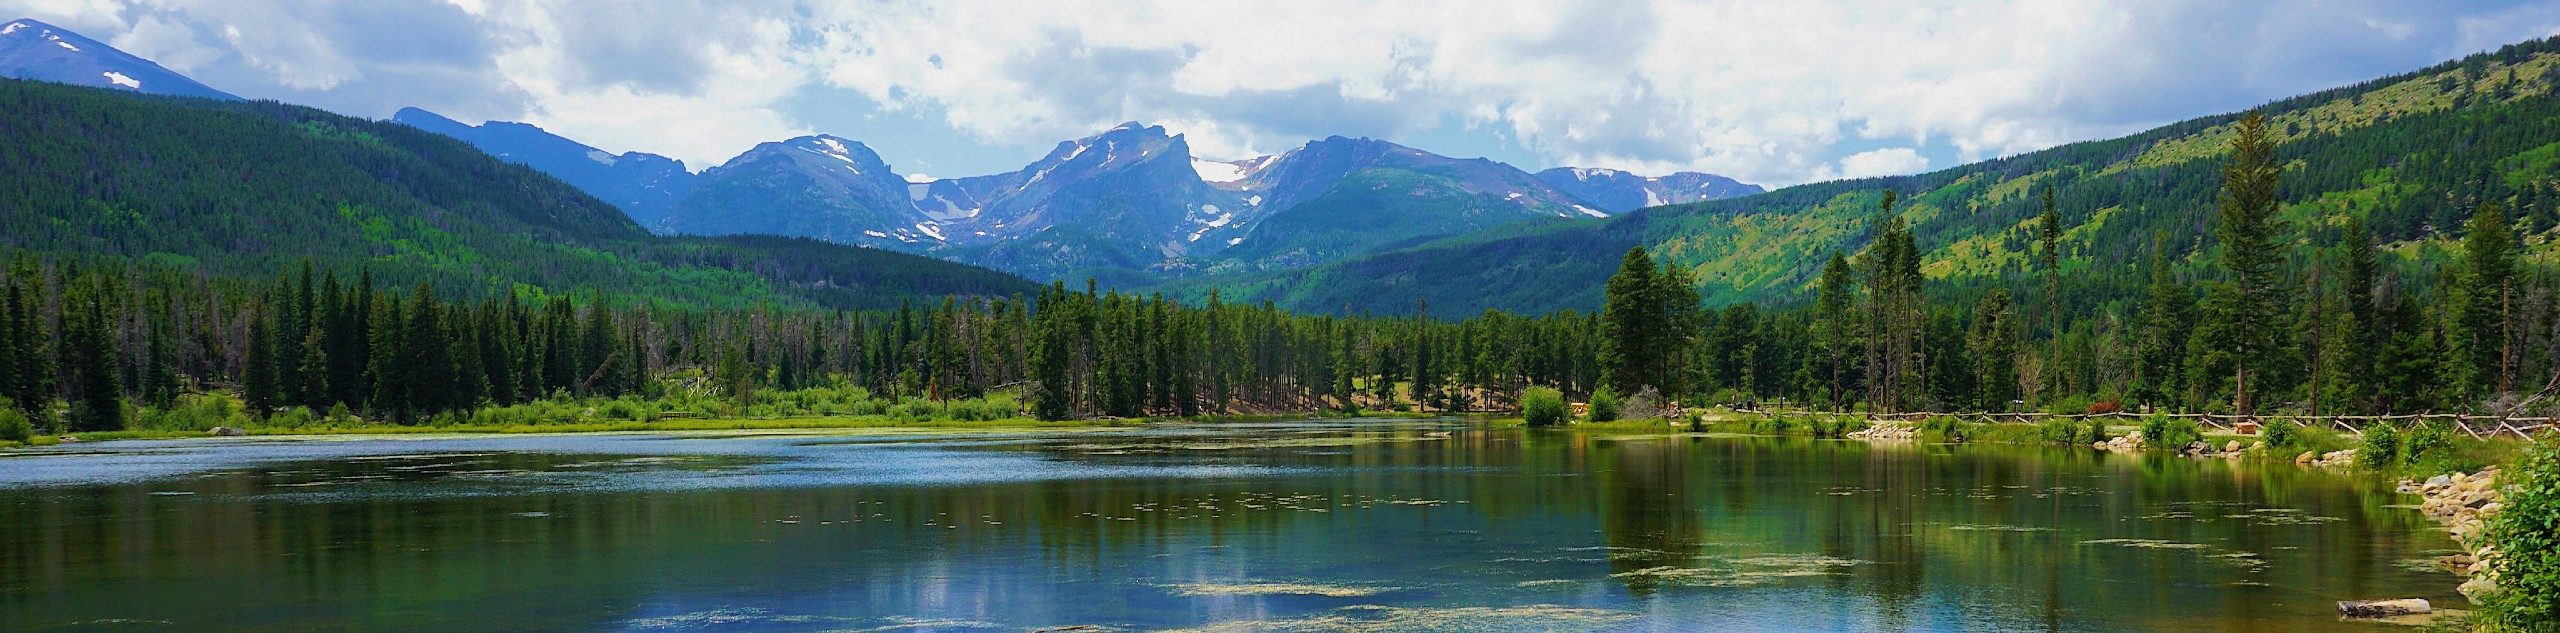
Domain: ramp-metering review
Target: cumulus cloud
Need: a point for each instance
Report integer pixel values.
(1890, 161)
(1769, 92)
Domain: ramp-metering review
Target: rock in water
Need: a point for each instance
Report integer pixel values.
(224, 431)
(2383, 608)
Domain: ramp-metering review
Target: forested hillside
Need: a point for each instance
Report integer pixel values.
(2410, 154)
(251, 189)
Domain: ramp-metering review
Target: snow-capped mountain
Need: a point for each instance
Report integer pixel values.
(1619, 192)
(820, 186)
(35, 50)
(1131, 200)
(643, 185)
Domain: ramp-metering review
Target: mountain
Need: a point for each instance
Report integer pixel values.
(1338, 197)
(35, 50)
(254, 188)
(2412, 155)
(1128, 205)
(1619, 192)
(643, 185)
(813, 186)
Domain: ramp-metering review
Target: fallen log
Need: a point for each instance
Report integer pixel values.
(2383, 608)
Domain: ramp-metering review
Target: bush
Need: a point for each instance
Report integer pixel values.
(1773, 424)
(2526, 533)
(14, 426)
(2381, 448)
(2283, 434)
(2160, 431)
(2425, 440)
(2106, 406)
(2097, 430)
(1942, 428)
(2062, 431)
(2068, 405)
(1604, 405)
(1542, 406)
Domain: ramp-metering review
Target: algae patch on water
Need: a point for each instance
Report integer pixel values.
(2144, 543)
(1749, 571)
(1379, 619)
(1275, 588)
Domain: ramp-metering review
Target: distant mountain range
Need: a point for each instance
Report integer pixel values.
(1128, 205)
(643, 185)
(35, 50)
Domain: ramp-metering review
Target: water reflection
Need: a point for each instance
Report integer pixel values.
(1296, 526)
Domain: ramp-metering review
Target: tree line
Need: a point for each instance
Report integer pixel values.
(2282, 319)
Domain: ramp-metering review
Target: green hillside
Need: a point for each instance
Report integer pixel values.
(238, 188)
(2411, 154)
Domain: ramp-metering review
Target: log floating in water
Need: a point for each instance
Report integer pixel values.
(2383, 608)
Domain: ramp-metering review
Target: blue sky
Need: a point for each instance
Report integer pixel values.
(1768, 92)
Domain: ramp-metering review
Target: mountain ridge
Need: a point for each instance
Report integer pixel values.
(31, 49)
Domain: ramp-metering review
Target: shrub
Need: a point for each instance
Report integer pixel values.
(2160, 431)
(2106, 406)
(2283, 434)
(1942, 428)
(14, 426)
(2526, 533)
(2097, 429)
(1542, 406)
(1604, 405)
(2381, 448)
(1773, 424)
(2425, 440)
(2062, 431)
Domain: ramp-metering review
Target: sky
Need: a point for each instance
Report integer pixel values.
(1775, 93)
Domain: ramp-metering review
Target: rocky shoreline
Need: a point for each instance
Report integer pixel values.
(2463, 503)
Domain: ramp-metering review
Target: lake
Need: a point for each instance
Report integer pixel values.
(1361, 525)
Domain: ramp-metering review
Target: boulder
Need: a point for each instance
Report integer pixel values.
(224, 431)
(2384, 608)
(2306, 457)
(2231, 446)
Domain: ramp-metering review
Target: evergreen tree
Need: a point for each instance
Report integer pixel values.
(1834, 317)
(2483, 297)
(2362, 338)
(2161, 348)
(1632, 327)
(2253, 300)
(427, 356)
(1051, 353)
(1995, 353)
(1896, 352)
(389, 374)
(90, 366)
(2049, 261)
(259, 388)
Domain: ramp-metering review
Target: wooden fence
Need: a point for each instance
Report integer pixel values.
(2477, 426)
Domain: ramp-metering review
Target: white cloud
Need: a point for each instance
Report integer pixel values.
(1769, 92)
(1890, 161)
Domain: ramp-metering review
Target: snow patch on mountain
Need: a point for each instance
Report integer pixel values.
(1213, 171)
(13, 27)
(122, 80)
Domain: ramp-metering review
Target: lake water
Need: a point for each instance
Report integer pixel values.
(1301, 526)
